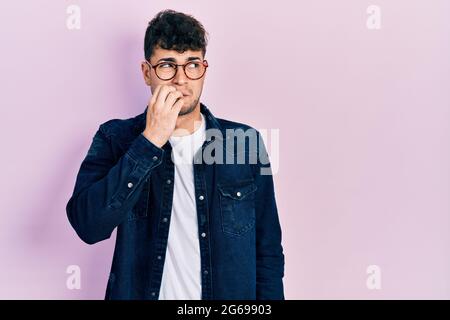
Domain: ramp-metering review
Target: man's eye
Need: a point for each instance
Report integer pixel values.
(194, 65)
(166, 65)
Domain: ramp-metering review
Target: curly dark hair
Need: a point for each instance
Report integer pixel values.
(172, 30)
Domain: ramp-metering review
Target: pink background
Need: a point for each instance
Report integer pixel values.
(364, 133)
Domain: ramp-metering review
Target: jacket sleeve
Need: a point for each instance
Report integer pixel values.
(107, 189)
(269, 251)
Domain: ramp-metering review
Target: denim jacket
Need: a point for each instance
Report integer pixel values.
(126, 182)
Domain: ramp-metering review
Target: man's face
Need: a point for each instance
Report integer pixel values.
(191, 88)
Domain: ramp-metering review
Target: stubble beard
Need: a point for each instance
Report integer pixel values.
(189, 109)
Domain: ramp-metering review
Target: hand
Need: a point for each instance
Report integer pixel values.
(162, 114)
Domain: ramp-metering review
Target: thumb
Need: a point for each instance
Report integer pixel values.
(177, 108)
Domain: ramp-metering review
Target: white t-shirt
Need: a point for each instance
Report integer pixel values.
(182, 273)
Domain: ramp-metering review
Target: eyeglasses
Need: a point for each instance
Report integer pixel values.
(194, 70)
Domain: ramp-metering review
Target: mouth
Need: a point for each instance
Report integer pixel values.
(184, 96)
(185, 93)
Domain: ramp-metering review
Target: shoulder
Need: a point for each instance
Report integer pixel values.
(247, 138)
(233, 125)
(120, 126)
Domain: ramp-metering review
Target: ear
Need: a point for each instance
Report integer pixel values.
(146, 72)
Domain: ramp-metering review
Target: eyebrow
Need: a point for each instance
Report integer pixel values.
(174, 60)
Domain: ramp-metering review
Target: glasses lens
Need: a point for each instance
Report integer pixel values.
(195, 70)
(166, 70)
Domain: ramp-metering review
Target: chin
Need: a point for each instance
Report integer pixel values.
(187, 109)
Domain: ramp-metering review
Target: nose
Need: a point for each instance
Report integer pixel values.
(180, 77)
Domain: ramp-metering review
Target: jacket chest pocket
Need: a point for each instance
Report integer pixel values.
(237, 206)
(140, 209)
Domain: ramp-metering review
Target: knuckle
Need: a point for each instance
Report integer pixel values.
(170, 89)
(175, 94)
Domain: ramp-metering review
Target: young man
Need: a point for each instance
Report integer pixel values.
(193, 220)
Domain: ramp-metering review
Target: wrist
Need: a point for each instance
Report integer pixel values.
(153, 138)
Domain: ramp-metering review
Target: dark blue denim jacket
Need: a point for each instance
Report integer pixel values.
(125, 181)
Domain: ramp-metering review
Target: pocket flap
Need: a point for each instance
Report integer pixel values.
(238, 191)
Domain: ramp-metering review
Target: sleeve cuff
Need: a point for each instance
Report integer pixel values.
(145, 152)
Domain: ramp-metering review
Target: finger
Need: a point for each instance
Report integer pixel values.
(155, 95)
(177, 106)
(172, 97)
(160, 100)
(176, 109)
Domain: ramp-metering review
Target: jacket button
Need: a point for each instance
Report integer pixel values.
(203, 235)
(155, 158)
(169, 181)
(153, 294)
(130, 185)
(238, 194)
(159, 257)
(201, 197)
(205, 272)
(164, 219)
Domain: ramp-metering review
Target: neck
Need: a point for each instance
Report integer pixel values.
(188, 123)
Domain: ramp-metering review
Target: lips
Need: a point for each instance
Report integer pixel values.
(185, 94)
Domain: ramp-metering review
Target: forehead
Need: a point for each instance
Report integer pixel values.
(159, 53)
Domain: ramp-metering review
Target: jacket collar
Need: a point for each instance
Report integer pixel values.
(211, 121)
